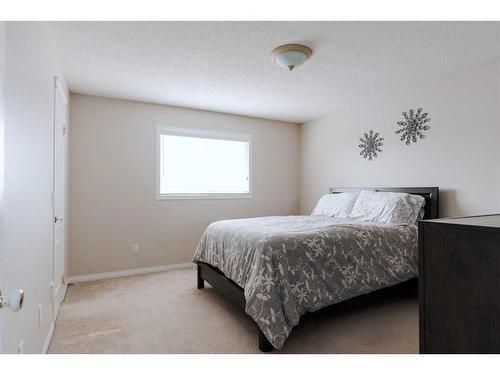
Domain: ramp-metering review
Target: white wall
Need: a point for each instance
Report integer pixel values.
(460, 154)
(112, 183)
(31, 63)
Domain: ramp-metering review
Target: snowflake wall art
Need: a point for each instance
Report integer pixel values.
(413, 126)
(370, 145)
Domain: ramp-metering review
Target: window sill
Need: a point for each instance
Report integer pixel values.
(161, 197)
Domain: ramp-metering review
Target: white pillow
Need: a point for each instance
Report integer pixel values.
(336, 205)
(389, 208)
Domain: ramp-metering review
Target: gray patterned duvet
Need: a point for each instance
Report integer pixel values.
(289, 265)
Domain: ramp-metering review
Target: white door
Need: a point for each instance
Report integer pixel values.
(60, 128)
(32, 259)
(12, 299)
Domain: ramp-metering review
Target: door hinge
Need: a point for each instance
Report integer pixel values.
(64, 130)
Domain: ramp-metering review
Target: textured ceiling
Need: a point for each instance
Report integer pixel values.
(225, 66)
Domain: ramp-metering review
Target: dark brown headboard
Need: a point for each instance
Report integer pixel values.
(431, 195)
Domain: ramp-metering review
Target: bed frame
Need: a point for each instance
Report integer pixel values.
(234, 293)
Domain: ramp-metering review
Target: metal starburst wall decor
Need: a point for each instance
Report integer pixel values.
(413, 126)
(370, 145)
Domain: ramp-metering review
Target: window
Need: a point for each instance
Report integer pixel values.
(195, 163)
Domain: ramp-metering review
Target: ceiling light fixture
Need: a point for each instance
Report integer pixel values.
(290, 56)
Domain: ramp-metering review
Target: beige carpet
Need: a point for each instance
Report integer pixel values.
(165, 313)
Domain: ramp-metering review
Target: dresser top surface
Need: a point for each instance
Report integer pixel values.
(492, 221)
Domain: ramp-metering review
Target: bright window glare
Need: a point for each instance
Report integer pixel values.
(195, 165)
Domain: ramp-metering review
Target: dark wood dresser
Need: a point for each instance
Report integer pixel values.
(459, 285)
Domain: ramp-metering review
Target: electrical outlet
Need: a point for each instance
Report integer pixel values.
(20, 347)
(135, 248)
(40, 314)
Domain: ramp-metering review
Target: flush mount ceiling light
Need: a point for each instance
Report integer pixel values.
(290, 56)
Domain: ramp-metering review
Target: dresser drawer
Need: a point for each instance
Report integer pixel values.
(459, 288)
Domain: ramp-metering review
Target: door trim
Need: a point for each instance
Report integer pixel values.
(58, 285)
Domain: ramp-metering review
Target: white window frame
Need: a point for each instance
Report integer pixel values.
(201, 133)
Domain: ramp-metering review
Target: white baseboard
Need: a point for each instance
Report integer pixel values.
(124, 273)
(48, 339)
(59, 296)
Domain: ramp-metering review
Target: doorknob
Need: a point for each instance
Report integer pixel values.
(14, 301)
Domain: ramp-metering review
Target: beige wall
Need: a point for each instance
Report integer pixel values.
(31, 62)
(460, 154)
(112, 183)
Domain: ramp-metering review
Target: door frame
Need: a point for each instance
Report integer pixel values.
(2, 156)
(59, 287)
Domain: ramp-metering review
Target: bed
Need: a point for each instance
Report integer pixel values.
(280, 268)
